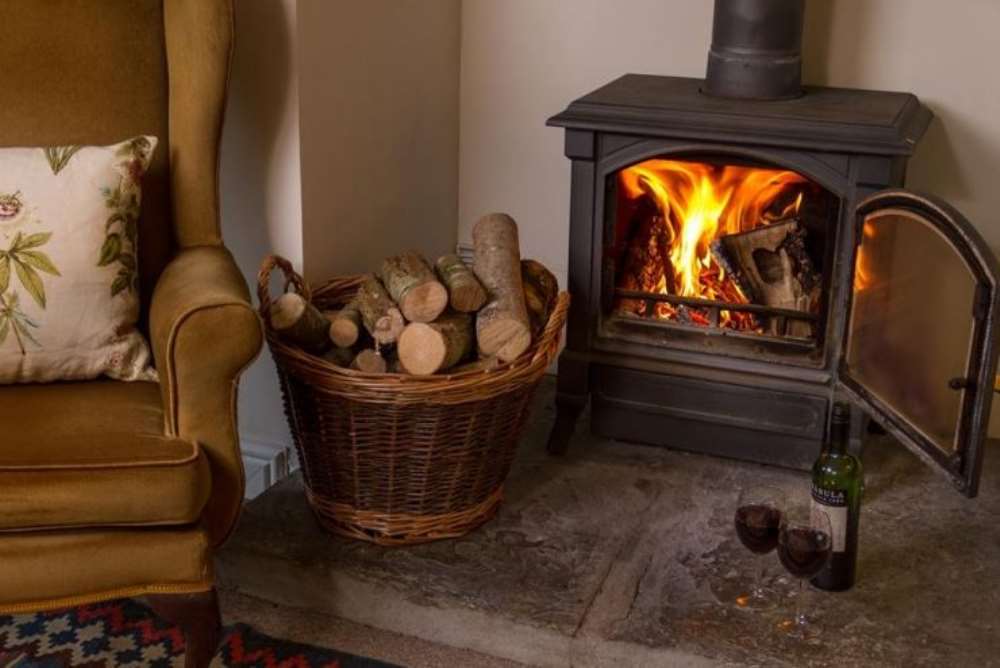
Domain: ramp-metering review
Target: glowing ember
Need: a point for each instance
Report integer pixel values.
(695, 204)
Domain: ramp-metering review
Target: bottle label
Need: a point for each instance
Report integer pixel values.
(833, 502)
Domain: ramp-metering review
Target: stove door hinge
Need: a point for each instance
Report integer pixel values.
(981, 302)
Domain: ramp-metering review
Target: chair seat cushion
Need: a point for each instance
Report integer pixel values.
(94, 454)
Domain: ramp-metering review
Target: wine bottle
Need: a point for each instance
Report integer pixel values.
(837, 481)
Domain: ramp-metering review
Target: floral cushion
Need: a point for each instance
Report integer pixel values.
(69, 289)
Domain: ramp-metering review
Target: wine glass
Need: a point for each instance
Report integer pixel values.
(805, 543)
(758, 521)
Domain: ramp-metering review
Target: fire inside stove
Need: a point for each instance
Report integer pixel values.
(720, 245)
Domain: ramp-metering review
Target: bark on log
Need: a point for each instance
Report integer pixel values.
(541, 290)
(502, 326)
(369, 361)
(412, 283)
(345, 325)
(483, 364)
(426, 348)
(465, 293)
(379, 313)
(300, 323)
(341, 357)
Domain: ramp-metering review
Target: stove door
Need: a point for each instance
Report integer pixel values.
(920, 353)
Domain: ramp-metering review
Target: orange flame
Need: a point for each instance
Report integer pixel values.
(700, 202)
(864, 274)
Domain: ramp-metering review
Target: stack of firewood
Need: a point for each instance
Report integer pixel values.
(417, 319)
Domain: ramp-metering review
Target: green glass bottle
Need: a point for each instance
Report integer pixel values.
(837, 483)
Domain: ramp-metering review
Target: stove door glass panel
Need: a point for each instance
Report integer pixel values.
(910, 326)
(915, 348)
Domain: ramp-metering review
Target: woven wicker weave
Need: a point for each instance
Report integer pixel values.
(397, 459)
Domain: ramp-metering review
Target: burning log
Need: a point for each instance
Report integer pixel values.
(502, 326)
(772, 268)
(412, 284)
(647, 259)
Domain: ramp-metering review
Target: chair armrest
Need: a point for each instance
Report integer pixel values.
(204, 333)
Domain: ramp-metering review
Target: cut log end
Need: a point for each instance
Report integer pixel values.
(345, 325)
(466, 294)
(515, 346)
(369, 361)
(300, 323)
(424, 302)
(423, 349)
(286, 311)
(388, 328)
(343, 333)
(504, 337)
(426, 348)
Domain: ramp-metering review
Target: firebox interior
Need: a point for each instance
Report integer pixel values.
(722, 247)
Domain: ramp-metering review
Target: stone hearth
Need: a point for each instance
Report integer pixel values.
(625, 555)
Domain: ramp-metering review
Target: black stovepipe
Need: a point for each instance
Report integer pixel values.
(756, 50)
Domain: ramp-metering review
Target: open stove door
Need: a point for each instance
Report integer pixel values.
(920, 352)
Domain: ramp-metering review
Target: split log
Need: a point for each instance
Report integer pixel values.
(502, 326)
(369, 361)
(379, 313)
(300, 323)
(465, 293)
(426, 348)
(772, 267)
(412, 284)
(341, 357)
(345, 325)
(541, 290)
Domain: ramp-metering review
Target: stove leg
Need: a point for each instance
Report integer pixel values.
(572, 393)
(568, 409)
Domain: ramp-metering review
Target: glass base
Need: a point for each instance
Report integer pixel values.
(758, 598)
(800, 628)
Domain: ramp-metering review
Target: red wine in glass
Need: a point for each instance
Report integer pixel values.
(805, 543)
(803, 551)
(758, 526)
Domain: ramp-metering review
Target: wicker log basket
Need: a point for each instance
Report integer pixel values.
(397, 459)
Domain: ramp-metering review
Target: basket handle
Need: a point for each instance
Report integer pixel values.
(548, 343)
(292, 278)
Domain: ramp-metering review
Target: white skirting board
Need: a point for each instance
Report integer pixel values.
(265, 463)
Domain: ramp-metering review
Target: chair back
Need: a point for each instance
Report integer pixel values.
(96, 72)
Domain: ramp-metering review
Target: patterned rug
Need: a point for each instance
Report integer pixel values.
(126, 634)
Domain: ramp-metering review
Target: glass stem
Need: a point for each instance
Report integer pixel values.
(758, 588)
(800, 615)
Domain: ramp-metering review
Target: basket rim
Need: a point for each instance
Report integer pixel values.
(325, 377)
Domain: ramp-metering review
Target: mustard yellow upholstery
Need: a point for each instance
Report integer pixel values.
(106, 488)
(54, 569)
(96, 438)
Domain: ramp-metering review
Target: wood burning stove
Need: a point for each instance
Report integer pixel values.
(736, 262)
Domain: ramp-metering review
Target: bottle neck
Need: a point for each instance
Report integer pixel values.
(839, 436)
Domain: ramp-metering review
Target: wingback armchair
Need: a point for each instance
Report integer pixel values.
(112, 489)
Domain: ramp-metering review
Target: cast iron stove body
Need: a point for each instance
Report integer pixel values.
(701, 366)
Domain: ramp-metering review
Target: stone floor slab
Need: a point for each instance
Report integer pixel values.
(622, 554)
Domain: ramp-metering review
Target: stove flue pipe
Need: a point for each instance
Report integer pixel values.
(756, 49)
